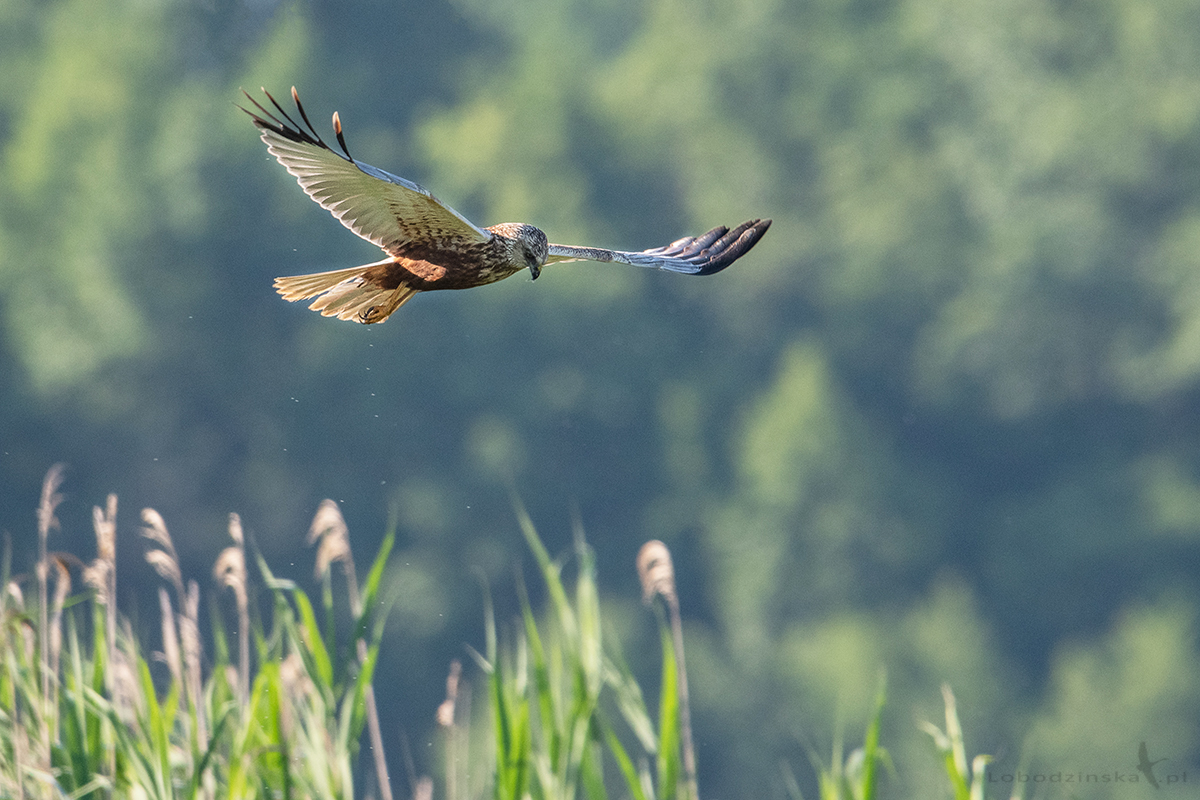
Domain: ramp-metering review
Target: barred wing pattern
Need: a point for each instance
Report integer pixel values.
(387, 210)
(692, 255)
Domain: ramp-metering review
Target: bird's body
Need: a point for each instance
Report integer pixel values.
(429, 245)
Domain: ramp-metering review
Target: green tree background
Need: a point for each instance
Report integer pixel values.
(945, 418)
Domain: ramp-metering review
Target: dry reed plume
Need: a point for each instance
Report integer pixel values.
(47, 521)
(181, 632)
(98, 710)
(656, 572)
(294, 727)
(230, 572)
(329, 529)
(446, 719)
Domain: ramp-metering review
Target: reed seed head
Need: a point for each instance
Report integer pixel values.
(329, 526)
(166, 566)
(230, 571)
(155, 529)
(95, 576)
(235, 530)
(47, 521)
(655, 570)
(17, 597)
(445, 711)
(104, 520)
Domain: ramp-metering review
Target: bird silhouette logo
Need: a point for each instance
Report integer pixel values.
(1146, 766)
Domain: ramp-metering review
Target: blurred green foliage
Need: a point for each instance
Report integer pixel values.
(943, 418)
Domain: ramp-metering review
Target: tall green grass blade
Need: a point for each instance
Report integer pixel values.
(135, 764)
(945, 751)
(502, 725)
(951, 748)
(541, 679)
(630, 702)
(81, 730)
(871, 751)
(353, 714)
(197, 776)
(790, 784)
(370, 590)
(587, 605)
(579, 739)
(154, 730)
(979, 775)
(550, 573)
(94, 787)
(591, 772)
(628, 771)
(954, 733)
(268, 576)
(314, 652)
(265, 733)
(669, 766)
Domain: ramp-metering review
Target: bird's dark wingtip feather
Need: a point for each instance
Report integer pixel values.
(262, 118)
(728, 246)
(337, 129)
(304, 116)
(288, 127)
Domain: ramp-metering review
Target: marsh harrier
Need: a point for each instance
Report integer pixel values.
(428, 244)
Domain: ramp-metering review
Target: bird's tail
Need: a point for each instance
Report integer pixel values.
(349, 294)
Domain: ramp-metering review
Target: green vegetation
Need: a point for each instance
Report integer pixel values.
(943, 418)
(103, 720)
(564, 713)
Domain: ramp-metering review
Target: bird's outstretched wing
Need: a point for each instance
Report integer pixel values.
(692, 255)
(398, 215)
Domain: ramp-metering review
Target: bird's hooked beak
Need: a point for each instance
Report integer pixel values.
(534, 271)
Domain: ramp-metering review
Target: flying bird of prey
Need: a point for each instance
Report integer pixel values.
(428, 244)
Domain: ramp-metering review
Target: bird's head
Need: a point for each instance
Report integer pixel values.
(526, 245)
(533, 247)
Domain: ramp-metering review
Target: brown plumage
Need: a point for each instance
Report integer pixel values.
(430, 245)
